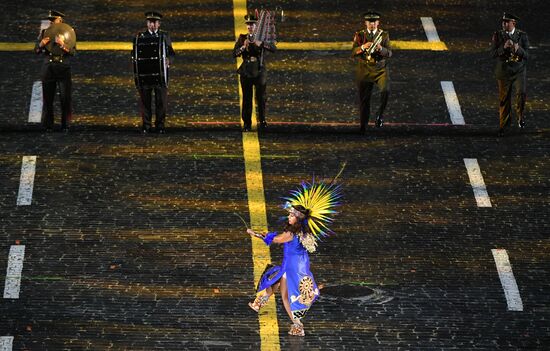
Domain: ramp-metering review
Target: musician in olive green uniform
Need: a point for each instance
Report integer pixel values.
(252, 72)
(509, 47)
(372, 48)
(56, 71)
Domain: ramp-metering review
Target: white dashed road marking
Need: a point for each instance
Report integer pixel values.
(26, 183)
(429, 28)
(35, 109)
(13, 273)
(511, 291)
(6, 343)
(452, 103)
(478, 185)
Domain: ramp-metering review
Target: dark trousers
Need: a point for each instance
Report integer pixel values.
(505, 98)
(365, 87)
(247, 85)
(57, 74)
(161, 103)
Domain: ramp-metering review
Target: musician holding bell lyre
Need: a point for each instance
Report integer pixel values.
(253, 71)
(372, 48)
(57, 43)
(509, 47)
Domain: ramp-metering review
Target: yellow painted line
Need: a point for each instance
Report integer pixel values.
(419, 45)
(269, 326)
(396, 44)
(227, 45)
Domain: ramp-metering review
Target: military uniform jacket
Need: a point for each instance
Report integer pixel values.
(253, 58)
(50, 57)
(509, 63)
(378, 60)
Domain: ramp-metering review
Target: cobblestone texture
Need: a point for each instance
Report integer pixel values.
(132, 242)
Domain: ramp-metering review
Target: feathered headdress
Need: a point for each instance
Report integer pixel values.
(319, 200)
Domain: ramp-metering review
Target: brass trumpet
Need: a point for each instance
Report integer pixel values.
(513, 57)
(375, 42)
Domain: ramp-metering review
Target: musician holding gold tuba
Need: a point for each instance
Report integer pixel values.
(372, 48)
(57, 43)
(251, 47)
(509, 47)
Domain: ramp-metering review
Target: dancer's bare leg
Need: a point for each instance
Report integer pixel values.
(262, 299)
(284, 297)
(297, 327)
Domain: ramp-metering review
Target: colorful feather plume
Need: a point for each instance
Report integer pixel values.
(319, 199)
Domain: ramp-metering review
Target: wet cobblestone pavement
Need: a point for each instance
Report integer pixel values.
(132, 242)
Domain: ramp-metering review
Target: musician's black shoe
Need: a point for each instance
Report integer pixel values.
(263, 125)
(521, 123)
(49, 129)
(145, 130)
(247, 128)
(362, 129)
(161, 130)
(65, 130)
(379, 121)
(500, 132)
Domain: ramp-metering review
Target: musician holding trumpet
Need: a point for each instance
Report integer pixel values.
(372, 48)
(57, 43)
(509, 47)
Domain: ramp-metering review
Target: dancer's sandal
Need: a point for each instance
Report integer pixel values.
(259, 302)
(297, 328)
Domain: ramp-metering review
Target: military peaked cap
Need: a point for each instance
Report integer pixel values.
(52, 15)
(250, 19)
(153, 15)
(371, 16)
(507, 16)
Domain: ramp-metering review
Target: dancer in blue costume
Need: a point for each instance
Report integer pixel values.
(309, 209)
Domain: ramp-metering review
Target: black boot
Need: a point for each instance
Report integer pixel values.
(379, 121)
(521, 123)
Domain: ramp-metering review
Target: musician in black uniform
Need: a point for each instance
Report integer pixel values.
(252, 72)
(510, 48)
(56, 71)
(372, 69)
(161, 93)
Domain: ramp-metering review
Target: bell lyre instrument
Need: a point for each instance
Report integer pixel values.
(265, 27)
